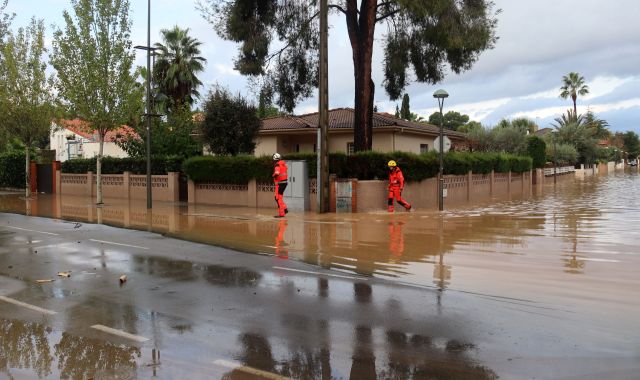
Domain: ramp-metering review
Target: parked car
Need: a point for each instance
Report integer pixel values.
(633, 163)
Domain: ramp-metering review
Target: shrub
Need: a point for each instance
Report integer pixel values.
(12, 170)
(362, 165)
(160, 165)
(536, 148)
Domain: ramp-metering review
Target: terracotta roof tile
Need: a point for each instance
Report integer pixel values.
(82, 128)
(343, 118)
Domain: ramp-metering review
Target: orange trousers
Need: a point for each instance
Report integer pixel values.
(395, 192)
(282, 207)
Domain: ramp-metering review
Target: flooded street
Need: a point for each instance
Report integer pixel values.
(546, 287)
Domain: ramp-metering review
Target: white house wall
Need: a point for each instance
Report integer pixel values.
(110, 149)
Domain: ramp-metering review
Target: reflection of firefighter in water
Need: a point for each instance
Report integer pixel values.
(396, 240)
(282, 248)
(280, 180)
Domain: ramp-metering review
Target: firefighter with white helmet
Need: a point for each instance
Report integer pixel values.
(280, 179)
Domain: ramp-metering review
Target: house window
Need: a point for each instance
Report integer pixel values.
(350, 148)
(424, 148)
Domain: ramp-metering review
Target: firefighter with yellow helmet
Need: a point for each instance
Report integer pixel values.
(396, 185)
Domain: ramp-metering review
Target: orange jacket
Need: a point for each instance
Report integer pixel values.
(396, 179)
(280, 172)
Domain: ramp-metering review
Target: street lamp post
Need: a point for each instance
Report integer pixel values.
(148, 115)
(441, 95)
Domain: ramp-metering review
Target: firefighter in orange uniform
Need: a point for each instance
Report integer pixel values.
(280, 179)
(396, 185)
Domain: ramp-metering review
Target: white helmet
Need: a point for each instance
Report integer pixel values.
(277, 156)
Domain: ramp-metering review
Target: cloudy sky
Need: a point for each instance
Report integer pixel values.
(540, 41)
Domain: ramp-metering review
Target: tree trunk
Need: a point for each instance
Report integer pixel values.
(361, 31)
(575, 110)
(99, 170)
(27, 172)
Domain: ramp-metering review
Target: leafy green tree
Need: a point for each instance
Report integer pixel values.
(480, 139)
(524, 124)
(508, 140)
(230, 124)
(5, 22)
(631, 143)
(28, 103)
(173, 137)
(599, 126)
(452, 120)
(536, 149)
(266, 107)
(422, 35)
(177, 66)
(563, 154)
(93, 60)
(405, 112)
(572, 129)
(470, 126)
(572, 86)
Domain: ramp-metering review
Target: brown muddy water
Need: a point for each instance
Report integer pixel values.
(576, 232)
(576, 243)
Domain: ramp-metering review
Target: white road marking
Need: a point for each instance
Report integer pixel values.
(26, 229)
(114, 243)
(321, 274)
(120, 333)
(28, 306)
(249, 370)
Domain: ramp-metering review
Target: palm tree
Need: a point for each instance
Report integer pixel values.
(178, 63)
(573, 85)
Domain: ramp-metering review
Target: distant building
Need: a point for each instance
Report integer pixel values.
(289, 134)
(543, 132)
(75, 139)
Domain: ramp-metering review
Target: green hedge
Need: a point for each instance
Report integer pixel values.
(112, 165)
(362, 165)
(536, 149)
(12, 170)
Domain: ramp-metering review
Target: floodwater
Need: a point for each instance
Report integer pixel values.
(574, 246)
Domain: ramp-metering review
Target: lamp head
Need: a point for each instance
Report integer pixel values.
(440, 94)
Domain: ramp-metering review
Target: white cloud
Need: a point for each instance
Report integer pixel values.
(225, 69)
(603, 85)
(478, 110)
(596, 108)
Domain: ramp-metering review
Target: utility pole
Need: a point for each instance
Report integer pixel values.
(323, 128)
(148, 117)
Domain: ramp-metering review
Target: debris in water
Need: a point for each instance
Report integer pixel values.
(64, 274)
(45, 281)
(123, 279)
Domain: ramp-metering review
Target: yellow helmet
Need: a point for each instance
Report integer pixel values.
(391, 163)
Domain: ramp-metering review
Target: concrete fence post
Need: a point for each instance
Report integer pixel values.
(126, 183)
(492, 179)
(174, 186)
(91, 183)
(469, 185)
(191, 188)
(509, 182)
(58, 188)
(252, 193)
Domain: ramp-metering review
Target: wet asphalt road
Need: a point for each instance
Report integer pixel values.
(198, 311)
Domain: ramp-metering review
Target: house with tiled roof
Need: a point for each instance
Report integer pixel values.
(290, 134)
(76, 139)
